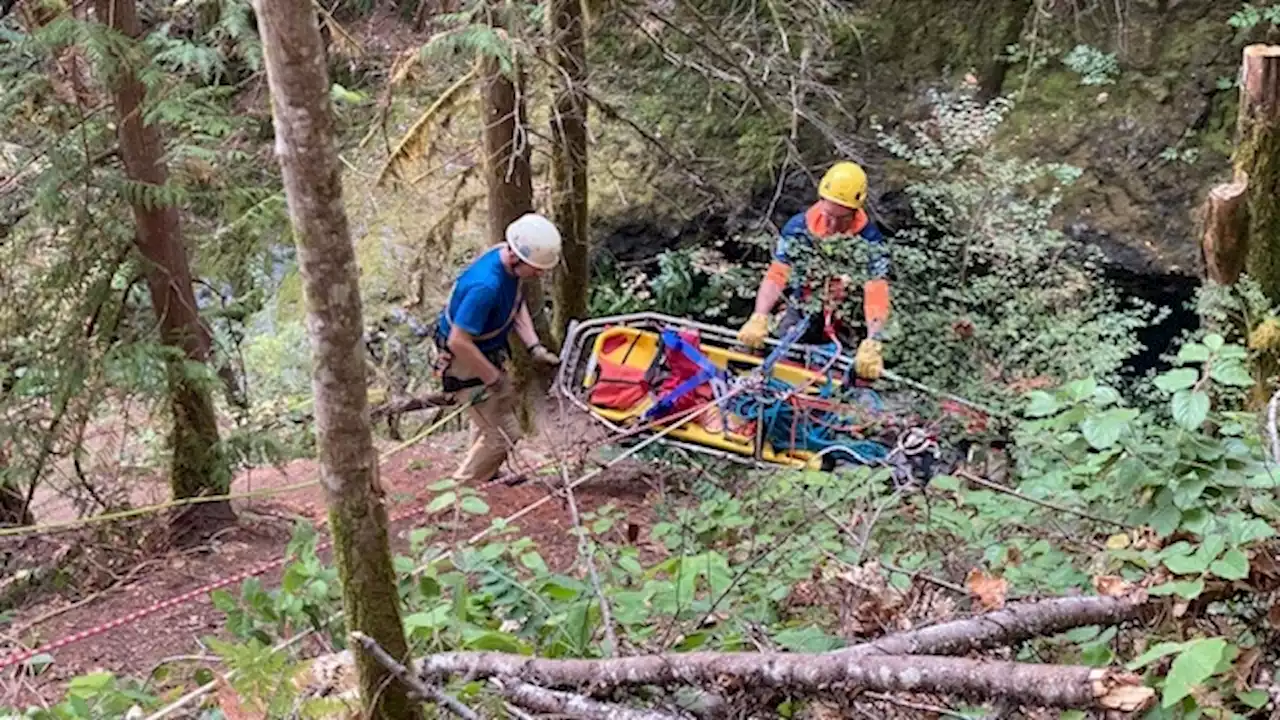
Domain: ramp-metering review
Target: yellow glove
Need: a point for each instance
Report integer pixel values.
(868, 362)
(753, 333)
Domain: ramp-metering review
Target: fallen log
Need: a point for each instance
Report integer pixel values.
(1068, 686)
(1008, 626)
(556, 702)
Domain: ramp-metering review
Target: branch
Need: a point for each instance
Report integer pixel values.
(555, 702)
(1042, 503)
(407, 405)
(402, 673)
(1036, 685)
(1008, 626)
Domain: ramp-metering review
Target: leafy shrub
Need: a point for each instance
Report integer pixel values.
(988, 298)
(1092, 65)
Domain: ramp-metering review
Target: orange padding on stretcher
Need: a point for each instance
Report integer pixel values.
(619, 387)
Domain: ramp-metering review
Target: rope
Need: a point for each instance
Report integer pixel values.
(134, 512)
(685, 417)
(22, 656)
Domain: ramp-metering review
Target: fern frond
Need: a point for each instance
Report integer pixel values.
(477, 41)
(416, 142)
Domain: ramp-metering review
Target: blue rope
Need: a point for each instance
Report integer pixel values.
(811, 428)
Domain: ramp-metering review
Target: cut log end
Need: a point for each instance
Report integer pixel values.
(1260, 50)
(1122, 691)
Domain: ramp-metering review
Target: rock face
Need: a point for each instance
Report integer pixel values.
(1143, 102)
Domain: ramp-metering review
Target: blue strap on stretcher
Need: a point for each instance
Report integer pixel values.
(708, 371)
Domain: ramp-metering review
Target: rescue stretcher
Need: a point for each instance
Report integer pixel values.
(791, 405)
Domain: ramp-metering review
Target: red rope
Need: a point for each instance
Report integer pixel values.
(22, 656)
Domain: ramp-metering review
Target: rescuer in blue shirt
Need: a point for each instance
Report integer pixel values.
(486, 303)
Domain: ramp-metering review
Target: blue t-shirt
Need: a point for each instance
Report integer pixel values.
(482, 301)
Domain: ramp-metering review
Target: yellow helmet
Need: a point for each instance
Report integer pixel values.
(845, 184)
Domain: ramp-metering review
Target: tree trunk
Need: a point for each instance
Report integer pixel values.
(1226, 224)
(569, 161)
(1006, 30)
(1257, 161)
(198, 465)
(510, 188)
(299, 84)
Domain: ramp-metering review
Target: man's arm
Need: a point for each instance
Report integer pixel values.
(463, 346)
(468, 321)
(524, 326)
(875, 292)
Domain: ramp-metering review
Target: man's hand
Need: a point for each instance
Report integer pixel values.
(754, 331)
(868, 361)
(542, 355)
(493, 389)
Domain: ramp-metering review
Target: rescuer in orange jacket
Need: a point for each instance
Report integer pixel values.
(842, 194)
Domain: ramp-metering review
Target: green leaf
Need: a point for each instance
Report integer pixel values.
(1186, 589)
(807, 639)
(534, 562)
(945, 482)
(474, 505)
(1255, 699)
(1155, 652)
(1192, 564)
(1231, 373)
(1193, 352)
(1190, 408)
(1191, 668)
(1041, 404)
(1103, 430)
(1179, 379)
(442, 501)
(1234, 565)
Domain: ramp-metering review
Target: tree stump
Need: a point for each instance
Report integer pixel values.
(1257, 158)
(1225, 232)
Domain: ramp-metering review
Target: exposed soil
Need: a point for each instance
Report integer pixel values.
(136, 568)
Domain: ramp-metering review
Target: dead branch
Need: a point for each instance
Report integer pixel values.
(1027, 684)
(424, 691)
(1008, 626)
(417, 141)
(407, 405)
(1042, 503)
(555, 702)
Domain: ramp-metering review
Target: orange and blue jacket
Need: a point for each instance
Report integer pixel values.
(805, 227)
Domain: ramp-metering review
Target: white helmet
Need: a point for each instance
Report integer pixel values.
(535, 240)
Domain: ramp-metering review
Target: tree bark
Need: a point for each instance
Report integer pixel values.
(198, 465)
(1257, 159)
(555, 702)
(1038, 685)
(1009, 626)
(1226, 224)
(299, 84)
(510, 191)
(569, 161)
(1006, 31)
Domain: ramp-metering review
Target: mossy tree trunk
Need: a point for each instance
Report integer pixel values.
(199, 466)
(510, 192)
(569, 161)
(299, 85)
(1004, 29)
(1257, 162)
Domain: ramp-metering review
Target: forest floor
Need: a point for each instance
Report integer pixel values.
(125, 569)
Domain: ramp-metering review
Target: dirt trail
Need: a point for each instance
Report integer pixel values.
(262, 534)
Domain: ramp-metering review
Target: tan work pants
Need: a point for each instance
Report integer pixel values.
(494, 428)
